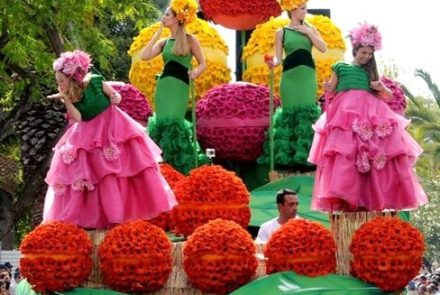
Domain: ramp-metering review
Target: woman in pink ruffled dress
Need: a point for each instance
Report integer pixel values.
(365, 158)
(104, 170)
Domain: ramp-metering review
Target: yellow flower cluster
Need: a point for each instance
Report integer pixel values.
(186, 10)
(143, 73)
(331, 34)
(262, 42)
(289, 5)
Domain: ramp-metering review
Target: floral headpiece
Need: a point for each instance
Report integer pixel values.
(186, 10)
(73, 64)
(366, 35)
(289, 5)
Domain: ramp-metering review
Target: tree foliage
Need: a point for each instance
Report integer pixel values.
(32, 34)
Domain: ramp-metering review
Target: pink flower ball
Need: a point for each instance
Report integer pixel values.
(133, 102)
(233, 118)
(398, 103)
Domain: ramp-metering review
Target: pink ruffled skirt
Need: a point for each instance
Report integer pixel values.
(365, 158)
(104, 172)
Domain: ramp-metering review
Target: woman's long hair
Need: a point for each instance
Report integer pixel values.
(182, 45)
(76, 89)
(370, 67)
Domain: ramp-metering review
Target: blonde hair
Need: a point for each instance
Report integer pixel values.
(76, 89)
(182, 45)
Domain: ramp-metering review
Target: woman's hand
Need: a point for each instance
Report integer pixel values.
(194, 74)
(115, 97)
(377, 85)
(303, 29)
(269, 60)
(384, 92)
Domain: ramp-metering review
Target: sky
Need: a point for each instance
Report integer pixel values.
(410, 34)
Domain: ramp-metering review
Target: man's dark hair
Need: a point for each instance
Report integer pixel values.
(282, 193)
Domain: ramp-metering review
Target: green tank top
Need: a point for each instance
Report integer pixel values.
(351, 77)
(294, 40)
(94, 101)
(168, 55)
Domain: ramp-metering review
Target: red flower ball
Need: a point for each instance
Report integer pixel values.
(208, 193)
(56, 257)
(133, 102)
(135, 257)
(387, 252)
(219, 257)
(233, 118)
(306, 247)
(239, 14)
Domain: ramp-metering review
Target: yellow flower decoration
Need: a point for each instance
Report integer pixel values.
(186, 10)
(262, 42)
(289, 5)
(143, 73)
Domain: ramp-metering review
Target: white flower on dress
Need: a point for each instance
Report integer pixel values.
(379, 161)
(82, 184)
(112, 152)
(67, 153)
(362, 129)
(59, 189)
(362, 163)
(383, 130)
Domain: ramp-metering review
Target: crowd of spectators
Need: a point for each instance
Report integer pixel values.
(8, 279)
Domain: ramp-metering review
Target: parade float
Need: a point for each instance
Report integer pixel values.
(206, 249)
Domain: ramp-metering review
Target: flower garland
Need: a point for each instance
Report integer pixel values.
(210, 192)
(306, 247)
(289, 5)
(262, 42)
(143, 73)
(135, 257)
(56, 257)
(239, 14)
(233, 119)
(133, 101)
(186, 10)
(387, 252)
(219, 257)
(398, 102)
(172, 176)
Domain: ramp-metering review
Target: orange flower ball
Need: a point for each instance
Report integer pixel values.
(172, 176)
(219, 257)
(239, 14)
(210, 192)
(56, 257)
(387, 252)
(135, 257)
(303, 246)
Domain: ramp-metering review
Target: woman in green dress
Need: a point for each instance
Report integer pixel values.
(168, 128)
(293, 131)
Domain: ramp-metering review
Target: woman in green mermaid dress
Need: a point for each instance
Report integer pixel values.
(168, 128)
(293, 131)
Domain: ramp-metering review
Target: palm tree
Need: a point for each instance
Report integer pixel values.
(425, 114)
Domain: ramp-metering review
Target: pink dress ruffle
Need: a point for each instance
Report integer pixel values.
(105, 172)
(365, 158)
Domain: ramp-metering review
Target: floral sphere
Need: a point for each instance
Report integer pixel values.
(233, 118)
(210, 192)
(172, 176)
(56, 257)
(135, 257)
(398, 102)
(239, 14)
(262, 41)
(133, 101)
(303, 246)
(143, 73)
(387, 252)
(219, 257)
